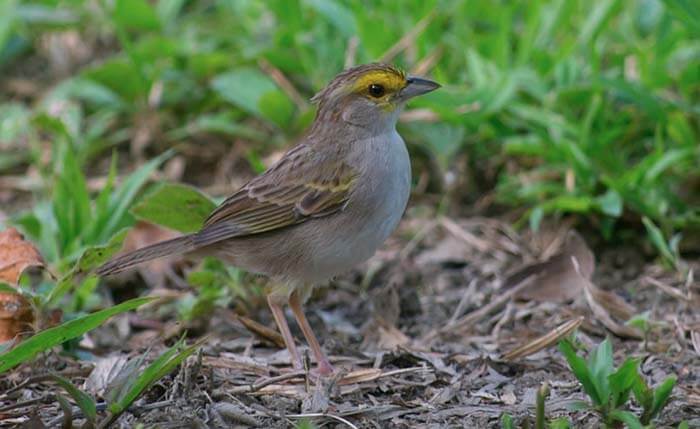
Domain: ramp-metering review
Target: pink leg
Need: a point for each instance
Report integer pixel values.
(278, 314)
(324, 365)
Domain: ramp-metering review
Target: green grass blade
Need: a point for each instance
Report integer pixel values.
(175, 206)
(91, 258)
(622, 380)
(507, 421)
(160, 367)
(600, 365)
(84, 401)
(687, 11)
(661, 396)
(45, 340)
(626, 417)
(127, 193)
(658, 240)
(580, 370)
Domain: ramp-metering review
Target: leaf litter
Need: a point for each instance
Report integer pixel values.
(16, 255)
(452, 332)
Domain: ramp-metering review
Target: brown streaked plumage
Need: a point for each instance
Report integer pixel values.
(325, 206)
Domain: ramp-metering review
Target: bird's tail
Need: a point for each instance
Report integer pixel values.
(121, 263)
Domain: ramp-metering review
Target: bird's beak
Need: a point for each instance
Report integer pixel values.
(416, 86)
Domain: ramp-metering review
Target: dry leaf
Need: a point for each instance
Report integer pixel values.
(261, 331)
(604, 317)
(557, 279)
(16, 255)
(552, 337)
(695, 339)
(603, 303)
(16, 316)
(106, 369)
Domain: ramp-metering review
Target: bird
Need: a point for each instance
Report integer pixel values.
(325, 206)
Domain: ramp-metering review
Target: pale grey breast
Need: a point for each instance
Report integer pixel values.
(373, 211)
(319, 249)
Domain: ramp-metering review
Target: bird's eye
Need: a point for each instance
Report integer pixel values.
(376, 90)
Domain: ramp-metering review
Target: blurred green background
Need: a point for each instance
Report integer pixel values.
(548, 107)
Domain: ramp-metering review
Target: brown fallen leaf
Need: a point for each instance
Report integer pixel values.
(552, 337)
(16, 316)
(381, 332)
(16, 255)
(566, 275)
(556, 279)
(593, 295)
(261, 331)
(605, 304)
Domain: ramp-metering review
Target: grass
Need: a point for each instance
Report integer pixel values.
(609, 388)
(572, 108)
(558, 107)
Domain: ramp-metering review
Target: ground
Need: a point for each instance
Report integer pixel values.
(420, 335)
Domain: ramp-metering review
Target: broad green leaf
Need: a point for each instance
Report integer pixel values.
(175, 206)
(168, 10)
(126, 194)
(249, 89)
(626, 417)
(507, 421)
(222, 123)
(580, 370)
(687, 11)
(643, 394)
(640, 321)
(276, 107)
(85, 402)
(600, 366)
(51, 337)
(118, 76)
(87, 90)
(135, 15)
(91, 258)
(657, 239)
(337, 14)
(560, 423)
(661, 396)
(622, 381)
(95, 256)
(610, 203)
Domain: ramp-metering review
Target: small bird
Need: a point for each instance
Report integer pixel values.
(324, 207)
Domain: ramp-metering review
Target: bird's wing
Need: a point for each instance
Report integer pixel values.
(303, 184)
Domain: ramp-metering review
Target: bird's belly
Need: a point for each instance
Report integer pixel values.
(319, 249)
(369, 219)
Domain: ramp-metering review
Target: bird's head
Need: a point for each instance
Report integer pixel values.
(369, 95)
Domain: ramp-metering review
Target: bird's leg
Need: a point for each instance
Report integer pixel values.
(324, 365)
(278, 314)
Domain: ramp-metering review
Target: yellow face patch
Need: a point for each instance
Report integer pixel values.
(379, 85)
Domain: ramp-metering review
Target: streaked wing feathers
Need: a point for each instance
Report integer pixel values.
(303, 184)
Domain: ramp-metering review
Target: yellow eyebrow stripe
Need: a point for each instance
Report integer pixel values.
(392, 81)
